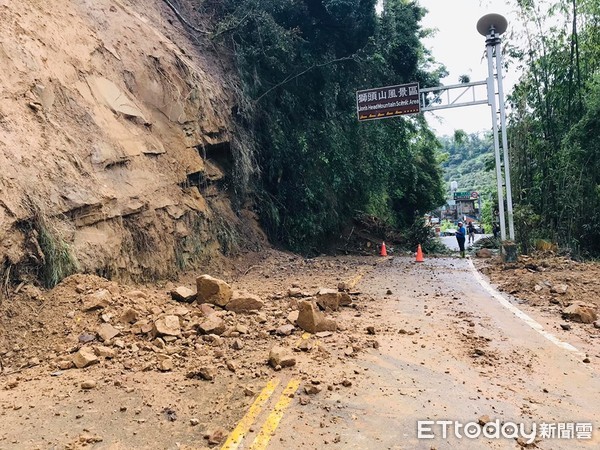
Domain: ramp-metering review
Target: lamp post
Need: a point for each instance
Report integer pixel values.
(492, 26)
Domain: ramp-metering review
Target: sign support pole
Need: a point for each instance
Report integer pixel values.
(492, 103)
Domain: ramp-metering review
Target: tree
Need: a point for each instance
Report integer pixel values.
(300, 64)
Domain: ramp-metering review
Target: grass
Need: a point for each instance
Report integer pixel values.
(58, 262)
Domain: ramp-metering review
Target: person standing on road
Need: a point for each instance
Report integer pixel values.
(471, 231)
(460, 238)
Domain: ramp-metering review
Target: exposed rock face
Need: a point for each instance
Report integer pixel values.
(124, 116)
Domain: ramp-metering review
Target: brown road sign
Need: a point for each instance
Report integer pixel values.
(386, 102)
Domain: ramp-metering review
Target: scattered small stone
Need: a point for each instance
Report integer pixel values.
(166, 365)
(194, 421)
(484, 419)
(565, 326)
(370, 330)
(106, 332)
(215, 436)
(167, 326)
(323, 334)
(84, 357)
(346, 382)
(311, 389)
(231, 365)
(84, 338)
(170, 414)
(241, 302)
(88, 384)
(587, 360)
(389, 292)
(292, 317)
(559, 289)
(203, 373)
(98, 300)
(237, 344)
(129, 316)
(65, 365)
(580, 313)
(305, 345)
(285, 330)
(183, 294)
(242, 329)
(212, 325)
(280, 356)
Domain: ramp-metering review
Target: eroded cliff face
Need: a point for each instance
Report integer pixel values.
(114, 140)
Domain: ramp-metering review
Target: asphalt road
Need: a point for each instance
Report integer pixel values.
(452, 244)
(451, 349)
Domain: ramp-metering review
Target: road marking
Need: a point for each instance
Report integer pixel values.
(268, 429)
(237, 435)
(520, 314)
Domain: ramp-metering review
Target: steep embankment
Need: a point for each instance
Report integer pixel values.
(114, 138)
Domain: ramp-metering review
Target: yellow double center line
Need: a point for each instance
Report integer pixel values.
(264, 436)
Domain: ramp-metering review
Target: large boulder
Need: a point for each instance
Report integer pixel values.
(212, 290)
(243, 302)
(580, 313)
(312, 320)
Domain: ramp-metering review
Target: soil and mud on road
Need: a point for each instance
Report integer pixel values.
(283, 352)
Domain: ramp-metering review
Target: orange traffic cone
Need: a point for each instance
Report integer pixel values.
(419, 254)
(383, 250)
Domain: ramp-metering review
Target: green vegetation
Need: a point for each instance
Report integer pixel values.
(299, 65)
(59, 262)
(469, 160)
(555, 125)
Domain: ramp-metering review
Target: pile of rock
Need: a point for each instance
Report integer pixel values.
(142, 334)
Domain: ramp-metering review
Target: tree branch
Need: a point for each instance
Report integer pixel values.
(183, 19)
(293, 77)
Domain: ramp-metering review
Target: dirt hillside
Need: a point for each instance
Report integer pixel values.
(115, 135)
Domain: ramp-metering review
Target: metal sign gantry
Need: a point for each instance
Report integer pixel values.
(458, 95)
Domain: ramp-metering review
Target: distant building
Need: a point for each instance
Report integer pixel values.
(463, 205)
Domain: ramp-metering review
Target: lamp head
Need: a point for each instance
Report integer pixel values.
(495, 22)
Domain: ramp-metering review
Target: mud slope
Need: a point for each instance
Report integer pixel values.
(114, 140)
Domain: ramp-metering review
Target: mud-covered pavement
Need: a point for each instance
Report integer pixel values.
(450, 351)
(422, 342)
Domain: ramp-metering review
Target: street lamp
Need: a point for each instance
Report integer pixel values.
(492, 26)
